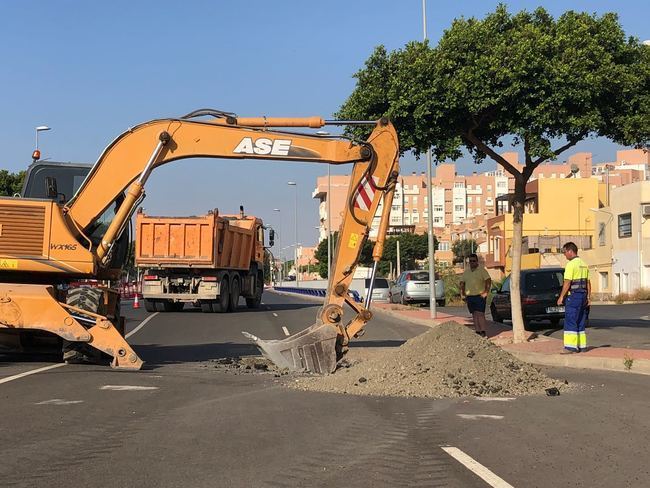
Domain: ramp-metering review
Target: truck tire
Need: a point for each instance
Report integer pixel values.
(179, 306)
(149, 305)
(255, 302)
(234, 295)
(223, 302)
(206, 306)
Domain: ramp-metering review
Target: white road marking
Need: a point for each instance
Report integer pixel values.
(275, 314)
(141, 325)
(27, 373)
(59, 401)
(128, 387)
(495, 399)
(477, 468)
(476, 416)
(286, 331)
(645, 317)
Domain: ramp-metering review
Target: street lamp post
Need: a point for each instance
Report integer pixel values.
(36, 155)
(280, 246)
(432, 256)
(295, 262)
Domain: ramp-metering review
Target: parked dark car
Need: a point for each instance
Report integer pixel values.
(540, 289)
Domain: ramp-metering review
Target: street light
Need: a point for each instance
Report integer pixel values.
(36, 155)
(432, 251)
(280, 245)
(295, 262)
(329, 212)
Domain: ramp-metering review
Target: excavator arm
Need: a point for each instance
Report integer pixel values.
(125, 166)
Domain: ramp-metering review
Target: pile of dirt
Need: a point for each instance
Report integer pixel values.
(448, 361)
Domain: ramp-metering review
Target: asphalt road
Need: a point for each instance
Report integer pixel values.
(182, 422)
(609, 325)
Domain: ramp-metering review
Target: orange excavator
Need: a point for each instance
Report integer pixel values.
(46, 244)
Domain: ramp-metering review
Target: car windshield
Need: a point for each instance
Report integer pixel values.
(543, 281)
(379, 283)
(419, 276)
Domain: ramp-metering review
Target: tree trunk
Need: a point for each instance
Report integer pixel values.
(518, 329)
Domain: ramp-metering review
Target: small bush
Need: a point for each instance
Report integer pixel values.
(641, 294)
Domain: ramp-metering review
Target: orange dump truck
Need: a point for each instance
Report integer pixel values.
(208, 261)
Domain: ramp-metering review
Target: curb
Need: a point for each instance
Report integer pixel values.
(640, 366)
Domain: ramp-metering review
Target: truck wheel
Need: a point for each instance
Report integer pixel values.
(149, 305)
(206, 306)
(234, 295)
(223, 302)
(179, 306)
(256, 301)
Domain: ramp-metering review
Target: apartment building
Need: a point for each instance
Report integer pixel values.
(556, 211)
(620, 259)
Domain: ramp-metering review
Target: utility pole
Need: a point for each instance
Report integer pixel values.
(432, 251)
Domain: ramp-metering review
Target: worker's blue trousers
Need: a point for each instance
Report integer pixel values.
(575, 319)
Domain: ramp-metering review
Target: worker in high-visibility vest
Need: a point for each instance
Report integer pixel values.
(577, 290)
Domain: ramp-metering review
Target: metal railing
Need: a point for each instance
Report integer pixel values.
(316, 292)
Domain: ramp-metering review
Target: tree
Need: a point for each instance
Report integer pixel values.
(11, 183)
(529, 80)
(463, 248)
(320, 254)
(412, 247)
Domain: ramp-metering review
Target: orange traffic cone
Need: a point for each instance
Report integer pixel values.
(136, 302)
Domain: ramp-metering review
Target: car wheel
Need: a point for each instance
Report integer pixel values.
(495, 315)
(401, 299)
(441, 303)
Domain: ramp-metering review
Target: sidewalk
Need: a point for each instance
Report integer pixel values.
(541, 350)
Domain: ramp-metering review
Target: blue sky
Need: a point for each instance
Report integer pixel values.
(90, 70)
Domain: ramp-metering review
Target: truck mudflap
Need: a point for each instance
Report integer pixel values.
(313, 349)
(35, 307)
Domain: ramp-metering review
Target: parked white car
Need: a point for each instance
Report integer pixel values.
(413, 287)
(379, 291)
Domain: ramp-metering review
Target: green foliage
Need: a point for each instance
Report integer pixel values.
(11, 183)
(321, 254)
(525, 75)
(412, 247)
(451, 281)
(463, 248)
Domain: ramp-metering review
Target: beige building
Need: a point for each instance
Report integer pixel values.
(620, 259)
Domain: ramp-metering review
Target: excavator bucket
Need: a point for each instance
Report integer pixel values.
(312, 349)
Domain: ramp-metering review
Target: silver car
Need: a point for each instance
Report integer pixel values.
(379, 291)
(413, 287)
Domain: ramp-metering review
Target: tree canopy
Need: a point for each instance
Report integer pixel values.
(463, 248)
(527, 76)
(11, 183)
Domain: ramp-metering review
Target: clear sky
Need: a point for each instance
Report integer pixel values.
(91, 69)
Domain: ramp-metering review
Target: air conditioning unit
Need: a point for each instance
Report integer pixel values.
(645, 209)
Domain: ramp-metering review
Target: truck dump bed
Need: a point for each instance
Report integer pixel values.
(207, 241)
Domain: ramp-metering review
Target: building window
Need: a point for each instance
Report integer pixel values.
(489, 188)
(625, 225)
(604, 280)
(459, 208)
(415, 200)
(437, 208)
(501, 184)
(437, 220)
(478, 200)
(601, 234)
(459, 184)
(426, 200)
(469, 199)
(444, 246)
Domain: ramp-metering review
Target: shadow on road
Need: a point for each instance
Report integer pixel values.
(155, 355)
